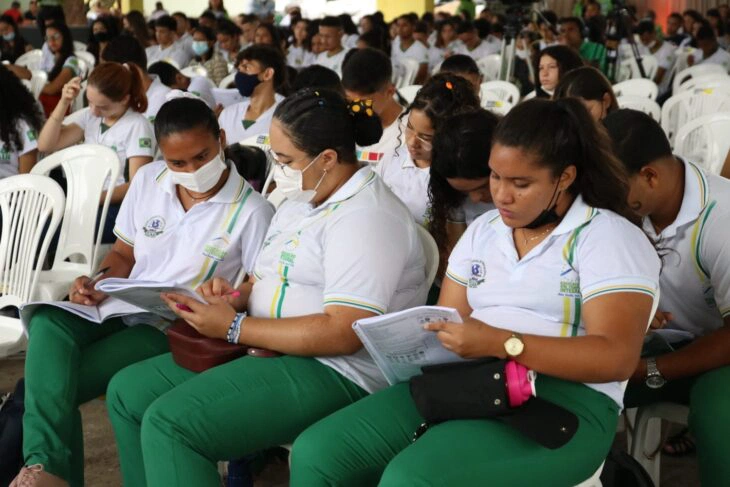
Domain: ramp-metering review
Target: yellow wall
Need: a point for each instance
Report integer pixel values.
(128, 5)
(393, 8)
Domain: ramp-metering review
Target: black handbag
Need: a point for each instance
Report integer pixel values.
(11, 433)
(477, 390)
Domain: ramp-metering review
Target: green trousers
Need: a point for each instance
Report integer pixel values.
(172, 426)
(370, 443)
(708, 398)
(70, 361)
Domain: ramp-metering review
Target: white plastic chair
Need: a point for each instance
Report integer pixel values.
(530, 95)
(79, 46)
(708, 81)
(86, 167)
(409, 92)
(30, 60)
(490, 66)
(695, 72)
(227, 81)
(705, 141)
(504, 90)
(87, 58)
(645, 88)
(431, 252)
(78, 102)
(650, 107)
(38, 80)
(687, 105)
(192, 71)
(492, 102)
(31, 207)
(629, 68)
(409, 71)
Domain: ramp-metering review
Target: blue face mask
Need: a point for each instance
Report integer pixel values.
(9, 37)
(200, 47)
(246, 83)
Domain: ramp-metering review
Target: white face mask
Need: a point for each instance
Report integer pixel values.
(289, 182)
(204, 178)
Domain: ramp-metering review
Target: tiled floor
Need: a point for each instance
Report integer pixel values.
(102, 468)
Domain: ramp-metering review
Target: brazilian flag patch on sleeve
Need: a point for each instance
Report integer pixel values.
(32, 135)
(145, 142)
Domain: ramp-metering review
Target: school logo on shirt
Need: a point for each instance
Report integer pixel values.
(217, 248)
(32, 135)
(569, 284)
(288, 256)
(145, 142)
(478, 271)
(154, 227)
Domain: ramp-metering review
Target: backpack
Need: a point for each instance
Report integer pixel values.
(11, 433)
(622, 470)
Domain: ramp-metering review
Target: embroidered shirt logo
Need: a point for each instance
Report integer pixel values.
(478, 272)
(154, 226)
(145, 142)
(569, 283)
(217, 248)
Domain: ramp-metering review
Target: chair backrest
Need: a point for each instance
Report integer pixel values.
(650, 107)
(694, 72)
(530, 95)
(87, 168)
(504, 90)
(37, 81)
(629, 68)
(196, 70)
(78, 102)
(686, 105)
(637, 87)
(30, 60)
(79, 46)
(409, 72)
(409, 92)
(705, 82)
(87, 58)
(490, 66)
(431, 252)
(705, 140)
(492, 102)
(31, 207)
(227, 81)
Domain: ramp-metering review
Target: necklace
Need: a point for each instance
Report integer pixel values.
(535, 237)
(193, 197)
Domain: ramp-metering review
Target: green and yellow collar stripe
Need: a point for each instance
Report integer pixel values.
(704, 195)
(696, 240)
(161, 175)
(619, 288)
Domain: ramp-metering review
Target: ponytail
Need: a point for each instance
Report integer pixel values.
(116, 81)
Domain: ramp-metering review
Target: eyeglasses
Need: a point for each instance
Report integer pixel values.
(426, 144)
(54, 37)
(271, 155)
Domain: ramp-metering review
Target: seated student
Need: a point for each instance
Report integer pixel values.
(227, 35)
(328, 241)
(592, 88)
(268, 35)
(300, 54)
(173, 78)
(261, 72)
(59, 63)
(182, 31)
(316, 76)
(445, 45)
(20, 122)
(206, 55)
(410, 48)
(407, 173)
(572, 35)
(710, 51)
(547, 26)
(333, 54)
(663, 51)
(126, 49)
(12, 43)
(458, 187)
(553, 63)
(568, 293)
(472, 45)
(167, 47)
(103, 30)
(464, 66)
(367, 75)
(174, 211)
(134, 25)
(685, 209)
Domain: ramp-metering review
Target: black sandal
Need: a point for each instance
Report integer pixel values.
(679, 445)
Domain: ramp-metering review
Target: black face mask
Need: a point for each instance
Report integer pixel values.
(546, 216)
(101, 36)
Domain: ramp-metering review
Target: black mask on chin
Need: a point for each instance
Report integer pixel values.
(546, 216)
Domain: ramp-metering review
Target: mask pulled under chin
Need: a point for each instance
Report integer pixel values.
(202, 180)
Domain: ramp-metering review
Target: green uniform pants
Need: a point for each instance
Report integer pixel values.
(708, 398)
(370, 443)
(172, 425)
(70, 361)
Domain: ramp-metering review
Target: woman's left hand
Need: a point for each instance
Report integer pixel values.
(211, 320)
(468, 340)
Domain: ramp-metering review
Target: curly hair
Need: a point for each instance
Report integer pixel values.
(18, 104)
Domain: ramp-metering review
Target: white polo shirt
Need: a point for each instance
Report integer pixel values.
(130, 136)
(384, 149)
(721, 57)
(484, 49)
(332, 62)
(592, 252)
(203, 87)
(408, 182)
(176, 52)
(695, 281)
(9, 157)
(299, 58)
(436, 55)
(156, 97)
(231, 120)
(215, 238)
(360, 248)
(416, 51)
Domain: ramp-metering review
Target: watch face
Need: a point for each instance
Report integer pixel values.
(514, 346)
(655, 381)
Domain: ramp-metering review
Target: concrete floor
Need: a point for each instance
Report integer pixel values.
(102, 467)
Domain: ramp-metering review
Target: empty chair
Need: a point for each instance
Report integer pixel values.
(705, 141)
(409, 92)
(645, 88)
(688, 105)
(490, 66)
(704, 82)
(31, 207)
(492, 102)
(30, 60)
(504, 90)
(695, 72)
(86, 167)
(650, 107)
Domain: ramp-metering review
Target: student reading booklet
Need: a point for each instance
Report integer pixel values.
(400, 346)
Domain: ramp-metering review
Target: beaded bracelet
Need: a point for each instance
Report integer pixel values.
(234, 331)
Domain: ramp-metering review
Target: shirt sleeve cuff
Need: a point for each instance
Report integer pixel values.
(343, 299)
(456, 277)
(619, 285)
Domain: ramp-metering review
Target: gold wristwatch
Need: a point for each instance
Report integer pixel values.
(514, 345)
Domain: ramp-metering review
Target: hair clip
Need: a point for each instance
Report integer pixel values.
(449, 85)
